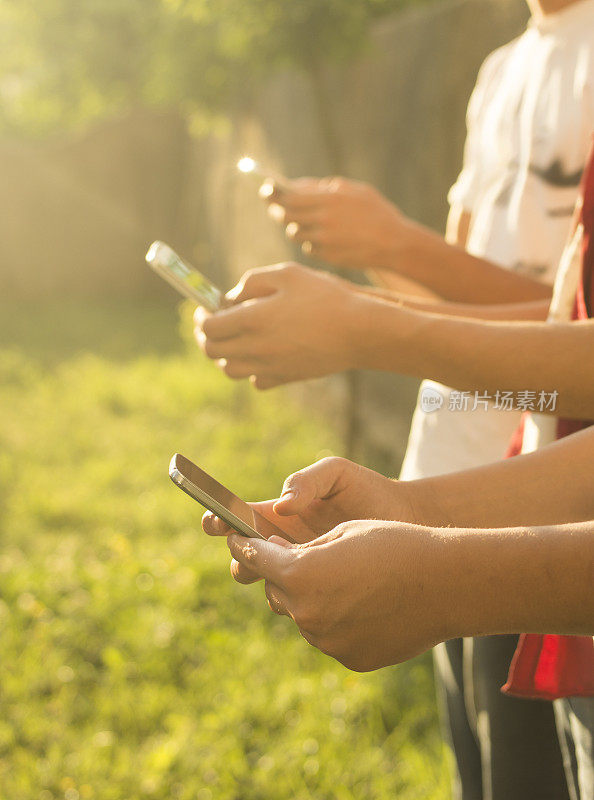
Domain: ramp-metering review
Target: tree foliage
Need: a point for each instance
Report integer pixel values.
(65, 62)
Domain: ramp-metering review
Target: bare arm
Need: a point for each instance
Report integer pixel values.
(350, 224)
(417, 297)
(456, 275)
(393, 282)
(373, 593)
(457, 228)
(479, 355)
(551, 485)
(530, 310)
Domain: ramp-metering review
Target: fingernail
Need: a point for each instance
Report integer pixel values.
(289, 494)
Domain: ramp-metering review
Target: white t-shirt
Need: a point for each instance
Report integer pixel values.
(529, 122)
(541, 429)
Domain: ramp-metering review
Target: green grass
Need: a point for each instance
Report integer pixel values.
(132, 666)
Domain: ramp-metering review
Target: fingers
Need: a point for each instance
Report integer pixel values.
(214, 526)
(243, 574)
(264, 382)
(225, 324)
(317, 482)
(304, 220)
(302, 192)
(254, 284)
(267, 559)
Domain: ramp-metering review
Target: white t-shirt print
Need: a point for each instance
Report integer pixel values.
(529, 124)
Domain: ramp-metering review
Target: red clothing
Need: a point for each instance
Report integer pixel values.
(549, 666)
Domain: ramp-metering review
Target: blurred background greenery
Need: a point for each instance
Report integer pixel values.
(131, 666)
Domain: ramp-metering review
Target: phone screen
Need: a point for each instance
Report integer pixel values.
(221, 501)
(187, 280)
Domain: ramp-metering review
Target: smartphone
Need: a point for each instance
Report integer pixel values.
(187, 280)
(221, 501)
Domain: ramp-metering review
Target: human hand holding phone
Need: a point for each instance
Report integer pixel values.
(342, 222)
(322, 496)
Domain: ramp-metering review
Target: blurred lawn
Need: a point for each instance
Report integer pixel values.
(131, 664)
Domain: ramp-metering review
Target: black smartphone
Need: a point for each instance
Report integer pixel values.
(221, 501)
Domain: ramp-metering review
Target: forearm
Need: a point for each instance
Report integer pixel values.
(537, 580)
(454, 274)
(475, 355)
(392, 283)
(531, 310)
(550, 486)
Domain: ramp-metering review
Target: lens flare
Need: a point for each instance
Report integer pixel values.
(246, 164)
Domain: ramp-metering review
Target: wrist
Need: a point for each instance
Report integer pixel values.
(399, 243)
(357, 323)
(425, 503)
(385, 335)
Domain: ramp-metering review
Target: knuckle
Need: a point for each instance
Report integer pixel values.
(334, 462)
(249, 553)
(293, 480)
(209, 348)
(206, 325)
(342, 529)
(291, 574)
(290, 269)
(336, 183)
(249, 276)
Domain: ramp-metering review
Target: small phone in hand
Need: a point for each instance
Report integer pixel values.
(183, 277)
(221, 501)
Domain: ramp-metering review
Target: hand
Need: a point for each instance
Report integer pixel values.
(346, 223)
(293, 525)
(318, 498)
(286, 323)
(367, 593)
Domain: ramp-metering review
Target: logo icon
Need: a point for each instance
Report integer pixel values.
(431, 399)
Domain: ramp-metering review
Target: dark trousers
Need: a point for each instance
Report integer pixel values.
(505, 748)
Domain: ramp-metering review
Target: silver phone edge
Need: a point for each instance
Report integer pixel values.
(185, 484)
(183, 289)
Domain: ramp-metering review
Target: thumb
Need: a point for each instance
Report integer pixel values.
(317, 482)
(254, 284)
